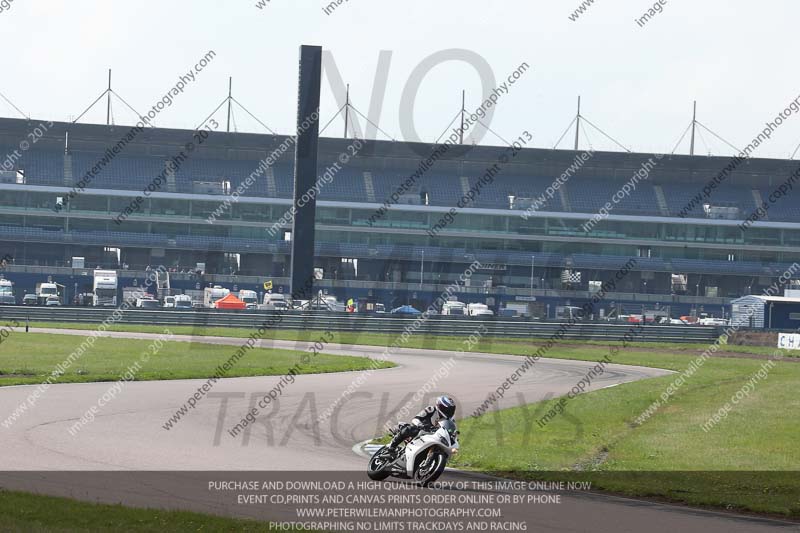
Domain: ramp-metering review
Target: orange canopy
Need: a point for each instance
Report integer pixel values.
(230, 302)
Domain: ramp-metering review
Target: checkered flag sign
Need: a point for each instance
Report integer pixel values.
(570, 276)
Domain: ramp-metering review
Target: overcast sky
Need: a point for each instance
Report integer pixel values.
(637, 83)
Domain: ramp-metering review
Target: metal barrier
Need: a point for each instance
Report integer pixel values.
(389, 324)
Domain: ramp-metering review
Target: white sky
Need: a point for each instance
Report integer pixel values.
(733, 56)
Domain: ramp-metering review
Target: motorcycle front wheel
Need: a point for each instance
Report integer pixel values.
(378, 466)
(430, 468)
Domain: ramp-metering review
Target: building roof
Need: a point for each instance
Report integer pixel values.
(673, 168)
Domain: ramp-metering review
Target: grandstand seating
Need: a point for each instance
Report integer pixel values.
(43, 167)
(678, 197)
(589, 196)
(46, 166)
(783, 209)
(347, 186)
(122, 173)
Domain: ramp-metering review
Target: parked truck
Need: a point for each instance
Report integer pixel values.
(568, 312)
(275, 302)
(212, 294)
(105, 288)
(454, 308)
(250, 298)
(479, 309)
(46, 290)
(183, 301)
(131, 294)
(7, 292)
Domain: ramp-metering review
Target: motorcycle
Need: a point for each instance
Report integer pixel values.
(422, 458)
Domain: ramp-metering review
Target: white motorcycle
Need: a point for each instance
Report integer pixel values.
(422, 458)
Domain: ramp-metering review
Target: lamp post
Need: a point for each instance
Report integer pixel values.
(421, 268)
(532, 260)
(696, 301)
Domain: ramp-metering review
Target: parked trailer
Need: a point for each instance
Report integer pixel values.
(250, 298)
(45, 290)
(105, 288)
(183, 301)
(478, 309)
(132, 294)
(212, 294)
(274, 302)
(454, 308)
(7, 292)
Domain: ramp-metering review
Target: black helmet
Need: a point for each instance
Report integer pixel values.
(446, 406)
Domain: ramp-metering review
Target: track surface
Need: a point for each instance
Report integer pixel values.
(128, 433)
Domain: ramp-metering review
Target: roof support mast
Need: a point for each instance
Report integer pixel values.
(107, 92)
(578, 124)
(108, 105)
(230, 97)
(578, 121)
(347, 111)
(463, 110)
(694, 125)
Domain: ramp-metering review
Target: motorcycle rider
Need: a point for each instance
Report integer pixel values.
(426, 420)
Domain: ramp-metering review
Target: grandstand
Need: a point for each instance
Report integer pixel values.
(384, 258)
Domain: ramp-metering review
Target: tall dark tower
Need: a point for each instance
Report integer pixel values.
(305, 172)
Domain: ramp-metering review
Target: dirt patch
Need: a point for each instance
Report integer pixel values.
(754, 338)
(594, 462)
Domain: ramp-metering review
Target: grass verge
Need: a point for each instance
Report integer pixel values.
(748, 461)
(32, 512)
(29, 358)
(514, 346)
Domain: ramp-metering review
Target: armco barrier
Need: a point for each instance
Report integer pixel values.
(436, 325)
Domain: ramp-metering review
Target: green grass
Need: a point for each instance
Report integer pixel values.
(29, 358)
(514, 346)
(34, 513)
(598, 437)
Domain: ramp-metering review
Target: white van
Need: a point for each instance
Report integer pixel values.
(454, 308)
(183, 301)
(147, 303)
(250, 298)
(477, 309)
(275, 302)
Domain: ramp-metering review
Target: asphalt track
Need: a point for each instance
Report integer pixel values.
(129, 435)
